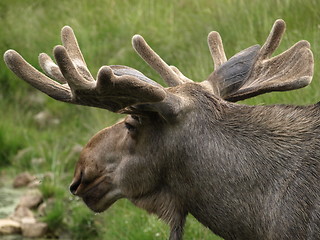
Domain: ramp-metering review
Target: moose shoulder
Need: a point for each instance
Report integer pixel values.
(245, 172)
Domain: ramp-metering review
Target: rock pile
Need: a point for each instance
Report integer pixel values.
(24, 218)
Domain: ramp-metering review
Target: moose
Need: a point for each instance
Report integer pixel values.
(245, 172)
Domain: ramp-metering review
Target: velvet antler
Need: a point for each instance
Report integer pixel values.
(116, 87)
(122, 89)
(252, 72)
(170, 74)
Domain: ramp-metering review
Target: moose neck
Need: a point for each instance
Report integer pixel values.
(241, 159)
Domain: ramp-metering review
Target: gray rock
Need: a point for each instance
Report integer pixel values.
(77, 148)
(41, 211)
(35, 99)
(31, 199)
(9, 226)
(34, 184)
(27, 220)
(22, 180)
(45, 119)
(20, 213)
(32, 229)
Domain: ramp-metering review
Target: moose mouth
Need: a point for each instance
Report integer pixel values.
(101, 196)
(98, 202)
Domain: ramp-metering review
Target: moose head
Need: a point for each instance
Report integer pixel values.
(243, 171)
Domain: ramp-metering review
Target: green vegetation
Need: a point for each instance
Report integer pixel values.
(177, 30)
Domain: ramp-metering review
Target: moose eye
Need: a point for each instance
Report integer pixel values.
(129, 126)
(132, 123)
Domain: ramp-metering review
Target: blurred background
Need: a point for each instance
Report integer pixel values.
(44, 137)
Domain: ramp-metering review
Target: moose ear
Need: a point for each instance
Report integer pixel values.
(252, 72)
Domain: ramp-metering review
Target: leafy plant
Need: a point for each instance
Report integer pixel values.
(83, 224)
(10, 145)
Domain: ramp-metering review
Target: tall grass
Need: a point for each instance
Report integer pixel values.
(177, 30)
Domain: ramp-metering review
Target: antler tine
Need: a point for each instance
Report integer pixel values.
(25, 71)
(70, 42)
(131, 86)
(216, 49)
(182, 77)
(155, 61)
(69, 71)
(273, 39)
(50, 68)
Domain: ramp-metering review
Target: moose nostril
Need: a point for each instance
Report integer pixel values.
(74, 185)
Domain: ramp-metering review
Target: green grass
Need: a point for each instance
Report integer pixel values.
(177, 30)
